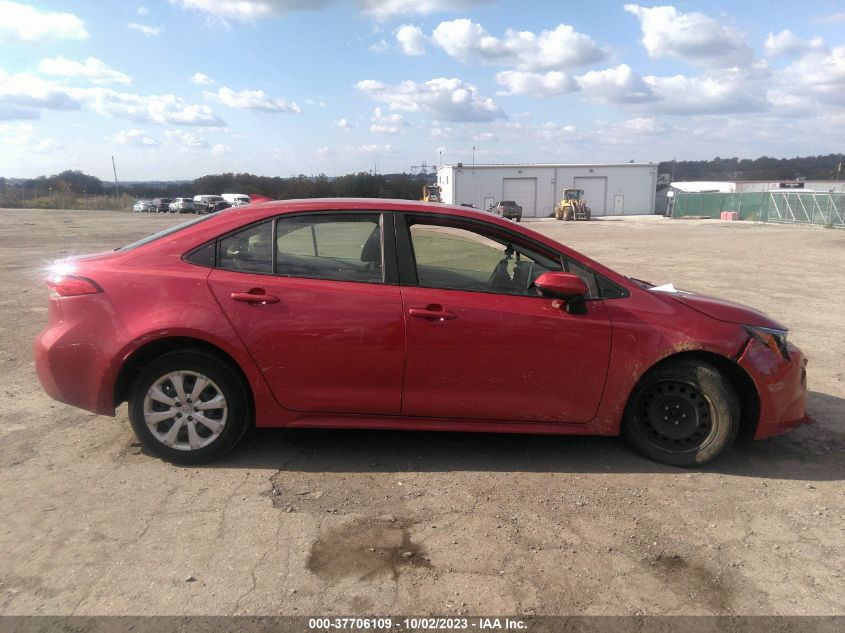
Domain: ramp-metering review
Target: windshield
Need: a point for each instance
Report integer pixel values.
(165, 233)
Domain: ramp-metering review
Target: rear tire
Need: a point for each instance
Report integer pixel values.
(190, 407)
(683, 413)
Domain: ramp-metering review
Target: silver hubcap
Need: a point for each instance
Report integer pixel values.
(185, 410)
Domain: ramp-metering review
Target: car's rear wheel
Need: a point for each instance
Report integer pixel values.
(189, 407)
(683, 413)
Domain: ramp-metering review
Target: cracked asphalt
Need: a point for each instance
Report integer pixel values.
(377, 523)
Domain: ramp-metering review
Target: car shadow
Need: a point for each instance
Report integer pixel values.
(809, 453)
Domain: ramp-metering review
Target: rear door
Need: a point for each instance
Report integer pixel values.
(312, 298)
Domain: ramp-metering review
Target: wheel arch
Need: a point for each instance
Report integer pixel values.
(740, 380)
(141, 356)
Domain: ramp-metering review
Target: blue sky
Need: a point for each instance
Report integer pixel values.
(175, 89)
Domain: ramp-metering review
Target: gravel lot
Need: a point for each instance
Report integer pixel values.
(317, 522)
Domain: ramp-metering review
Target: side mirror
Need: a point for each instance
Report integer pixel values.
(567, 286)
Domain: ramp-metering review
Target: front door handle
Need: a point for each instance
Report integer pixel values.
(432, 313)
(256, 295)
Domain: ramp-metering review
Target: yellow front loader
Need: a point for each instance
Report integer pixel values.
(572, 206)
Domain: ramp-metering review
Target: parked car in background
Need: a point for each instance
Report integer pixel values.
(143, 206)
(236, 199)
(366, 313)
(205, 203)
(508, 209)
(162, 205)
(183, 205)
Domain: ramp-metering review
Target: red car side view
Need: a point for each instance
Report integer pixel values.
(400, 315)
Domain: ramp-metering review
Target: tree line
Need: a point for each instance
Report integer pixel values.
(827, 167)
(360, 185)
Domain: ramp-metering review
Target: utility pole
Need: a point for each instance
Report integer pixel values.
(473, 156)
(116, 186)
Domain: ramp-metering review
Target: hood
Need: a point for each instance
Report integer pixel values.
(722, 309)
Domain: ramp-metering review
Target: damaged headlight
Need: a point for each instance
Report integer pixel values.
(775, 340)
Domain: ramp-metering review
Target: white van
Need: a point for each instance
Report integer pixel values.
(236, 199)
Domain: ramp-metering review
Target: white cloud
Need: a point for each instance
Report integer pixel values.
(343, 124)
(561, 49)
(198, 79)
(252, 100)
(411, 39)
(220, 149)
(383, 123)
(48, 146)
(787, 44)
(380, 47)
(722, 93)
(249, 10)
(252, 10)
(147, 30)
(162, 109)
(630, 131)
(815, 79)
(375, 149)
(694, 37)
(142, 10)
(93, 70)
(21, 22)
(134, 137)
(28, 94)
(616, 85)
(386, 9)
(445, 99)
(485, 137)
(516, 82)
(190, 140)
(25, 91)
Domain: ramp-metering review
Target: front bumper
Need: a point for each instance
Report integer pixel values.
(781, 385)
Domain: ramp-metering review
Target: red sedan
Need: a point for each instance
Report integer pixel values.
(401, 315)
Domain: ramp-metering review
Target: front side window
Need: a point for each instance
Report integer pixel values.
(343, 247)
(458, 258)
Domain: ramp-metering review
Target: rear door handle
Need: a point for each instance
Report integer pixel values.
(432, 313)
(256, 295)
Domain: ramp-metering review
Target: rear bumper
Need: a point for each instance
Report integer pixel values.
(74, 353)
(781, 386)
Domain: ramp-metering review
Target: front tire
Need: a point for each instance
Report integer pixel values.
(190, 407)
(683, 413)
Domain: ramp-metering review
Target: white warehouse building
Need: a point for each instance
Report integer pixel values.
(609, 188)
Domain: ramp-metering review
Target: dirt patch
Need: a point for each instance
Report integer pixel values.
(364, 549)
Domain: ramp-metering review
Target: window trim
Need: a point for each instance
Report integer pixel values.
(407, 262)
(390, 273)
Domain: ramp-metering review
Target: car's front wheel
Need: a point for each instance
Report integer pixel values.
(683, 413)
(189, 407)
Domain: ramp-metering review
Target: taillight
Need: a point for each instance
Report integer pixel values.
(70, 286)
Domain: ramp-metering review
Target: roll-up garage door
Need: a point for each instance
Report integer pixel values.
(595, 192)
(523, 191)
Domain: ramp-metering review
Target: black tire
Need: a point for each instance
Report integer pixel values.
(239, 413)
(683, 413)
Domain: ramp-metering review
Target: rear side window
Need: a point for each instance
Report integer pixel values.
(343, 247)
(249, 250)
(165, 232)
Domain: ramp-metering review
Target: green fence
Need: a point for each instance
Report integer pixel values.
(749, 205)
(795, 207)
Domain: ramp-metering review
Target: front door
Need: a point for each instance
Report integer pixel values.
(323, 327)
(481, 343)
